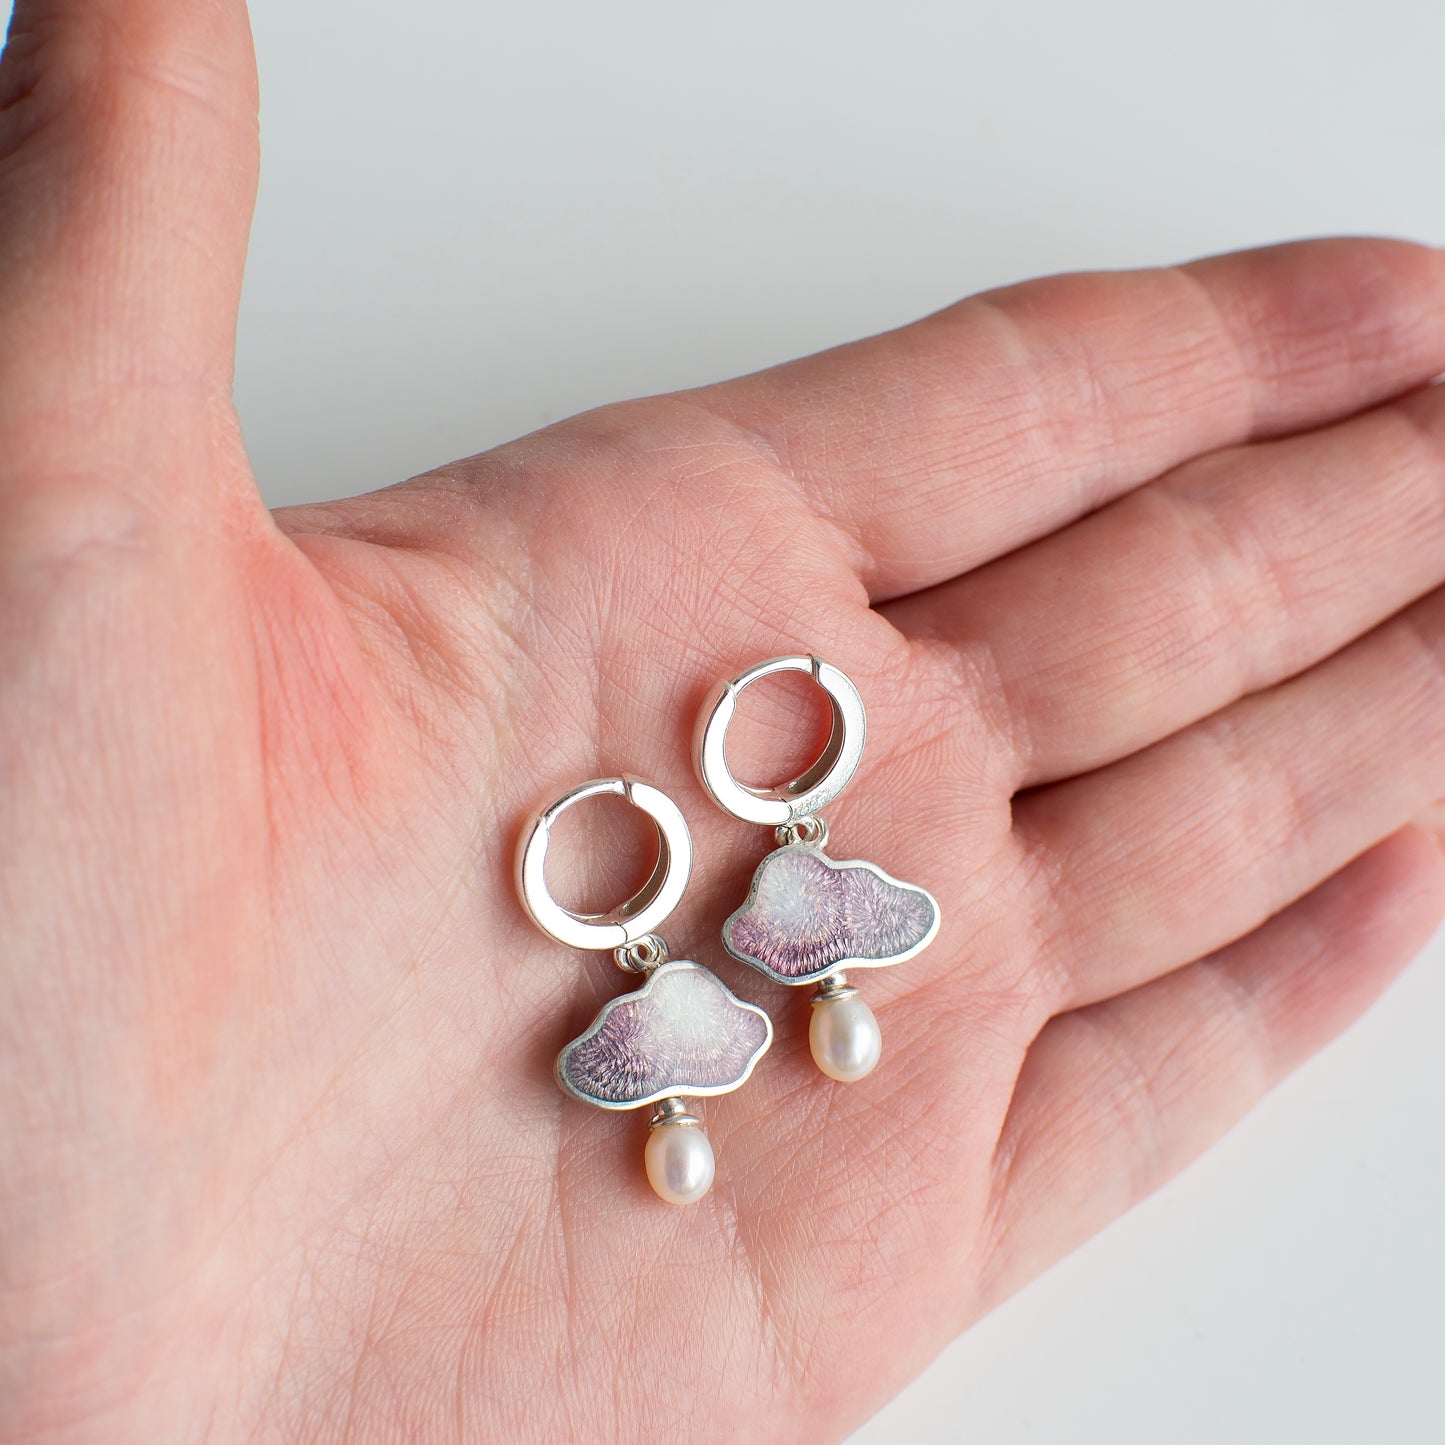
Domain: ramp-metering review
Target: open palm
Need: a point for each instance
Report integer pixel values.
(1142, 601)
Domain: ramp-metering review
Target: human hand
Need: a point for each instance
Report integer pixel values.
(1143, 602)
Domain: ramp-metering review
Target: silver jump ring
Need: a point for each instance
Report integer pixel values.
(812, 789)
(645, 911)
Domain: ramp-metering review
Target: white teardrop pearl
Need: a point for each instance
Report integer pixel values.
(845, 1038)
(680, 1163)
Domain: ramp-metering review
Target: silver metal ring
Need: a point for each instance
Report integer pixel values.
(646, 909)
(814, 788)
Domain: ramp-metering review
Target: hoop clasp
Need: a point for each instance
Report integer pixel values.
(646, 909)
(816, 786)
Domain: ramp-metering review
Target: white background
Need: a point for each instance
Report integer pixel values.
(476, 218)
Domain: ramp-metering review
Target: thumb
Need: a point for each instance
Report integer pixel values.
(128, 157)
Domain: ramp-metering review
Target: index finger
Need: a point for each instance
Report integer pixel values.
(949, 442)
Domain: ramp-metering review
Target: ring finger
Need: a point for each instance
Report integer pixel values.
(1188, 845)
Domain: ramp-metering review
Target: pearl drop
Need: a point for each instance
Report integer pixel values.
(680, 1162)
(845, 1038)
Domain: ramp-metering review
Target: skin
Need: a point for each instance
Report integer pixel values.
(1138, 575)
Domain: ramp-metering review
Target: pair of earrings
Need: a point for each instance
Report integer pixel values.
(807, 917)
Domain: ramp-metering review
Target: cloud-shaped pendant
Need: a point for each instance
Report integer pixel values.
(682, 1032)
(807, 916)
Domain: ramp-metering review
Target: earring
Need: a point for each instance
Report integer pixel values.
(682, 1033)
(807, 917)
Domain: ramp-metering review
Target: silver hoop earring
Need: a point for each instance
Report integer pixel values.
(683, 1033)
(807, 917)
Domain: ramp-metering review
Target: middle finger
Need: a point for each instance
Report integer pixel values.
(1224, 577)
